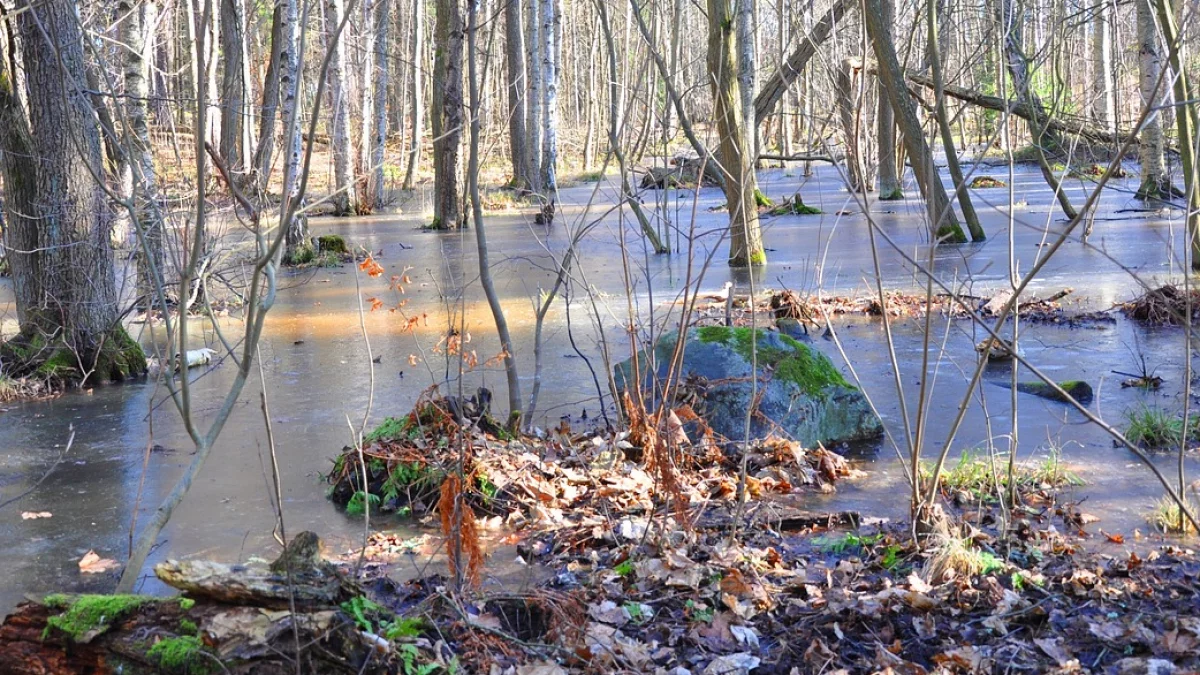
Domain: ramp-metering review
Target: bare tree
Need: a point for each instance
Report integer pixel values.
(447, 115)
(417, 91)
(745, 235)
(343, 199)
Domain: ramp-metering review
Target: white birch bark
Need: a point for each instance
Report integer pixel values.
(551, 33)
(533, 121)
(289, 85)
(1103, 90)
(1150, 65)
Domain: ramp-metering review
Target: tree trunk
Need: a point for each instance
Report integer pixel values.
(376, 119)
(418, 93)
(1155, 181)
(344, 202)
(136, 34)
(515, 60)
(264, 154)
(943, 224)
(551, 53)
(58, 218)
(1104, 93)
(533, 110)
(233, 84)
(890, 186)
(485, 271)
(857, 171)
(289, 85)
(745, 73)
(448, 115)
(745, 235)
(943, 123)
(1186, 122)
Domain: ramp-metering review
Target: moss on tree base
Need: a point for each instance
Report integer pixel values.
(31, 355)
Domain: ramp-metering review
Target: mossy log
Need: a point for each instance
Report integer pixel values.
(177, 636)
(1076, 389)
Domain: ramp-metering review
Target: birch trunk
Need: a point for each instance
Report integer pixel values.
(745, 73)
(289, 85)
(366, 106)
(1155, 182)
(447, 116)
(551, 34)
(344, 202)
(1104, 92)
(745, 235)
(533, 112)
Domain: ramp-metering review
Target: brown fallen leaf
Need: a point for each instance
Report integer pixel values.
(91, 563)
(30, 515)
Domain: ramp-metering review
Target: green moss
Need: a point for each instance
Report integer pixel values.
(332, 243)
(893, 196)
(184, 654)
(87, 616)
(759, 257)
(808, 369)
(61, 365)
(300, 255)
(951, 233)
(120, 358)
(188, 627)
(186, 604)
(762, 200)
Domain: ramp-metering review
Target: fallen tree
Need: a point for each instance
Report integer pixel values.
(1023, 110)
(774, 87)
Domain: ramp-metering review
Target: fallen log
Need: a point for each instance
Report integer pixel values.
(1024, 111)
(778, 83)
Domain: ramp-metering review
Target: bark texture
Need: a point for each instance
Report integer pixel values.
(57, 216)
(745, 235)
(344, 202)
(447, 115)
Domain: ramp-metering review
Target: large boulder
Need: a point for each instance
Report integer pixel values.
(801, 393)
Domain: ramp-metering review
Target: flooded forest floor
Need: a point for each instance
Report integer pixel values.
(588, 549)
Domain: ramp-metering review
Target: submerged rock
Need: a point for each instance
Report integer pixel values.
(800, 393)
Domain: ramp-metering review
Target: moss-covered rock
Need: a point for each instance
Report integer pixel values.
(801, 392)
(332, 243)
